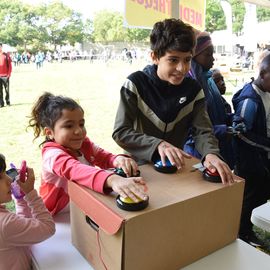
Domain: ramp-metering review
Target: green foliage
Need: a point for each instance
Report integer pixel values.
(61, 25)
(52, 23)
(137, 34)
(11, 14)
(215, 18)
(88, 30)
(108, 27)
(238, 14)
(263, 14)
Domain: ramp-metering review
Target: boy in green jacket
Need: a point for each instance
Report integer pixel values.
(160, 104)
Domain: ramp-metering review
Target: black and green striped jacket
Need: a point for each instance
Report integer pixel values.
(152, 110)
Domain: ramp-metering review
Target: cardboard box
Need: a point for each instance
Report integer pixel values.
(187, 218)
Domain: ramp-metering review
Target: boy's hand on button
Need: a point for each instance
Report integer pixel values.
(213, 163)
(175, 155)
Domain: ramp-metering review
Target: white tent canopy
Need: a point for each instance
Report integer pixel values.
(7, 48)
(263, 3)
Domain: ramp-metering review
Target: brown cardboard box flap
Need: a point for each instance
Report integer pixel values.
(105, 217)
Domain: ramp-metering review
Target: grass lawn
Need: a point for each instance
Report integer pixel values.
(95, 86)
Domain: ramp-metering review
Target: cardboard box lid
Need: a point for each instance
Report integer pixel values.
(163, 190)
(89, 205)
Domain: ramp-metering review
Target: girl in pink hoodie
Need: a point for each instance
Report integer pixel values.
(69, 155)
(31, 224)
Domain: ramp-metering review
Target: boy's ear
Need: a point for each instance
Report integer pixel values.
(262, 72)
(154, 58)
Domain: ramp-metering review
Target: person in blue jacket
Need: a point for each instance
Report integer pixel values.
(202, 62)
(252, 146)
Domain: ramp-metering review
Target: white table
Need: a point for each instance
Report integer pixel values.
(261, 217)
(237, 256)
(57, 252)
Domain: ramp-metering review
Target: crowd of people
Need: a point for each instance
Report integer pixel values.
(171, 110)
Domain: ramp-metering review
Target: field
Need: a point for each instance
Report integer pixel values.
(94, 85)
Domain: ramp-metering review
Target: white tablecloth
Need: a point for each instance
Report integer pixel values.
(261, 217)
(237, 256)
(57, 252)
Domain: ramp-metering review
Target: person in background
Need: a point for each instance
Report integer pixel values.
(220, 83)
(5, 73)
(32, 223)
(69, 155)
(202, 62)
(159, 104)
(252, 146)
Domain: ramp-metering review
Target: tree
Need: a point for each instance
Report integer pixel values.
(108, 27)
(60, 24)
(238, 14)
(39, 26)
(88, 30)
(215, 17)
(10, 18)
(28, 33)
(137, 34)
(263, 14)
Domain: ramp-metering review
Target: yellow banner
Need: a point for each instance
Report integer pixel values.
(193, 13)
(145, 13)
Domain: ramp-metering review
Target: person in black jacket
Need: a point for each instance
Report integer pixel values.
(159, 104)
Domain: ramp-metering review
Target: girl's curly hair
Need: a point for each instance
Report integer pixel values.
(47, 110)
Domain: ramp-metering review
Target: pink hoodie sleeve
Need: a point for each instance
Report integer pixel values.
(22, 231)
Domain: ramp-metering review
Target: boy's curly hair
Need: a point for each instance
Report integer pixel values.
(172, 35)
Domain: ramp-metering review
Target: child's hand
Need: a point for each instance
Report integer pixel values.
(175, 155)
(28, 185)
(128, 165)
(128, 187)
(213, 163)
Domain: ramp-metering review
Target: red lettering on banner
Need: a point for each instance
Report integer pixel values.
(148, 3)
(190, 15)
(162, 7)
(198, 18)
(155, 6)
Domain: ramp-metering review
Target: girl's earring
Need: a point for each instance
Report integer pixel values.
(49, 137)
